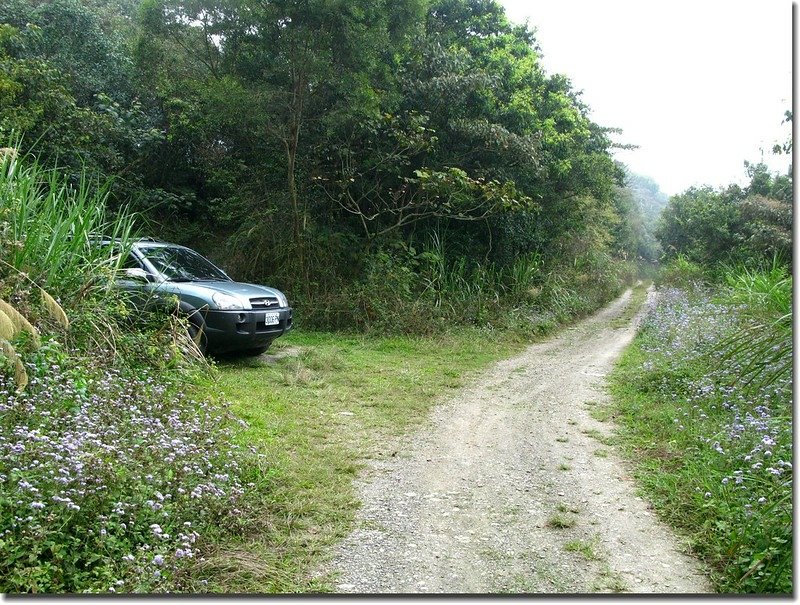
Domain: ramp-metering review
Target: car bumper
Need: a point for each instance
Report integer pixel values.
(232, 330)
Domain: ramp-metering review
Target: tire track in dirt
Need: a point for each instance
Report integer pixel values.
(471, 504)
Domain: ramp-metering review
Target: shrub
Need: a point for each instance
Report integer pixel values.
(682, 272)
(426, 290)
(109, 478)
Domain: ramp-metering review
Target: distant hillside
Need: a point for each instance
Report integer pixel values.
(648, 195)
(650, 201)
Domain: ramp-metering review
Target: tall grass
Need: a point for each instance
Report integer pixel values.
(763, 346)
(50, 229)
(428, 287)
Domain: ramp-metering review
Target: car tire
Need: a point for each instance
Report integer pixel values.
(197, 331)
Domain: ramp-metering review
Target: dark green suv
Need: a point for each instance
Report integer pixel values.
(223, 315)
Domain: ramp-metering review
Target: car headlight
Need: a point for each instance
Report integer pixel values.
(226, 302)
(282, 299)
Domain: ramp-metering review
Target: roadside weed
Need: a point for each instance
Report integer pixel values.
(602, 413)
(586, 548)
(598, 436)
(609, 581)
(561, 520)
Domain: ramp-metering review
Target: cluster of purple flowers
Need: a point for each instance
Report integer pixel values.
(747, 425)
(104, 469)
(686, 325)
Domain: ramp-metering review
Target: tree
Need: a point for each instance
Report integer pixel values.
(749, 225)
(67, 89)
(701, 224)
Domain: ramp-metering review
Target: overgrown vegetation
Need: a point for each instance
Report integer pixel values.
(731, 225)
(705, 400)
(51, 229)
(113, 476)
(705, 393)
(405, 167)
(389, 165)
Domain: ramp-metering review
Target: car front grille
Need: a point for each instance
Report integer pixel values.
(266, 302)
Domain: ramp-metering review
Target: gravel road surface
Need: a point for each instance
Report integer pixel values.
(509, 488)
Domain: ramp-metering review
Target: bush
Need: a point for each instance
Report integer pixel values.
(423, 291)
(682, 273)
(110, 477)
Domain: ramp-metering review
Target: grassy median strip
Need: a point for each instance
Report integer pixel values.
(316, 407)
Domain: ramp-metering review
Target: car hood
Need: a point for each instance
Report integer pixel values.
(237, 288)
(203, 290)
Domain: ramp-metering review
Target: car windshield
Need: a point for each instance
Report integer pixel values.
(182, 264)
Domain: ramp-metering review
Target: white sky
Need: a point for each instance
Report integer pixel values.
(700, 85)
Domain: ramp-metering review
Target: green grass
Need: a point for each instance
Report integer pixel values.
(638, 296)
(598, 436)
(560, 521)
(587, 549)
(609, 581)
(602, 413)
(315, 414)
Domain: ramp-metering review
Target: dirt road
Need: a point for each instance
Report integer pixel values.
(510, 489)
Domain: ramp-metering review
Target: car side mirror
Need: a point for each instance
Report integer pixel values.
(138, 274)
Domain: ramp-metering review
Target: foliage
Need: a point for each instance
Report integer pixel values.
(373, 126)
(112, 476)
(108, 478)
(731, 225)
(683, 273)
(700, 224)
(713, 440)
(763, 347)
(425, 288)
(65, 83)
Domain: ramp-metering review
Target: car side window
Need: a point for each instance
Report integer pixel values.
(130, 262)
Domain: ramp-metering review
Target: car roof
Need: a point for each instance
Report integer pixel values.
(151, 242)
(139, 240)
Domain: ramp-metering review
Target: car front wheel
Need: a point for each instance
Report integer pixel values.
(197, 332)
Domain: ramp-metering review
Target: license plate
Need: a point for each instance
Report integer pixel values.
(272, 319)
